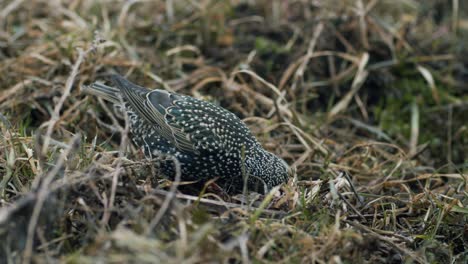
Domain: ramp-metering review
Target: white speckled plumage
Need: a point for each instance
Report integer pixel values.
(208, 140)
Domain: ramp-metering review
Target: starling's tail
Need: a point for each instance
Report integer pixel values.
(106, 92)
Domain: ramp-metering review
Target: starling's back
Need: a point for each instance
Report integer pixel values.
(208, 140)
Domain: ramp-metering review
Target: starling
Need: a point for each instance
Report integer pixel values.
(207, 140)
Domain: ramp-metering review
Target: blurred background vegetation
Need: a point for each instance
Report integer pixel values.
(367, 99)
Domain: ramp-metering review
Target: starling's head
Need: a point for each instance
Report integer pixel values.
(266, 170)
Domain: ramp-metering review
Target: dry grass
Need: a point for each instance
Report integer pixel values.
(366, 99)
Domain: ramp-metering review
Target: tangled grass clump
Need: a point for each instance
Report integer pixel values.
(365, 99)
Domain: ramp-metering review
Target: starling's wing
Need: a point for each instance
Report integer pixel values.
(152, 106)
(209, 127)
